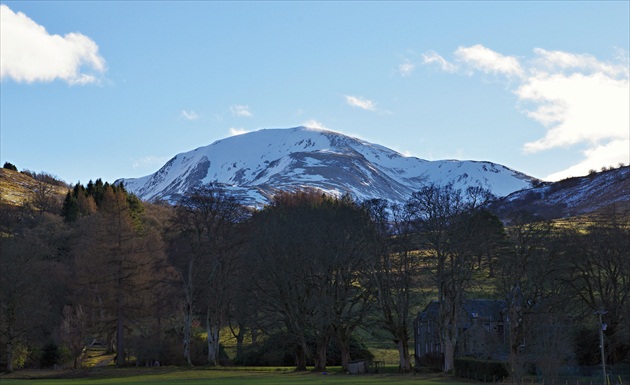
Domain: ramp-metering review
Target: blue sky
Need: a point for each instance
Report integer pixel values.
(114, 89)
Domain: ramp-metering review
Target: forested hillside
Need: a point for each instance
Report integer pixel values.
(297, 282)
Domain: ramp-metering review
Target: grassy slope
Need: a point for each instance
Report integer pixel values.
(175, 376)
(17, 188)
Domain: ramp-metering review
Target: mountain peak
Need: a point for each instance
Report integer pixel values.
(258, 164)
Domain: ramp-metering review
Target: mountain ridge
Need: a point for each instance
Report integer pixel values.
(604, 192)
(256, 165)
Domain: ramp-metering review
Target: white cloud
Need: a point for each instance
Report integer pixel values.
(406, 68)
(578, 98)
(555, 61)
(190, 115)
(237, 131)
(433, 57)
(30, 54)
(314, 124)
(489, 61)
(577, 108)
(359, 102)
(147, 162)
(611, 154)
(240, 110)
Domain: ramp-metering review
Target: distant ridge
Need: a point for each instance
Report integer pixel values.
(605, 192)
(256, 165)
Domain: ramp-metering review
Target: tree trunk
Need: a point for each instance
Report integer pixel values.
(187, 333)
(254, 331)
(120, 322)
(213, 340)
(449, 332)
(9, 357)
(120, 339)
(449, 355)
(188, 314)
(240, 336)
(345, 354)
(322, 346)
(403, 355)
(300, 358)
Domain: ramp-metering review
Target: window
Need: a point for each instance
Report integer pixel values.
(501, 332)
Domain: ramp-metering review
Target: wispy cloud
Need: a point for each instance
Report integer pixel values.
(312, 123)
(240, 110)
(30, 54)
(489, 61)
(433, 57)
(578, 98)
(189, 115)
(147, 162)
(406, 68)
(360, 102)
(558, 61)
(237, 131)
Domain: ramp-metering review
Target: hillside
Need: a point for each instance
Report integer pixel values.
(17, 188)
(256, 165)
(598, 193)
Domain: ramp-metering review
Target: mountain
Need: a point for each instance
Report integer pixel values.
(256, 165)
(597, 193)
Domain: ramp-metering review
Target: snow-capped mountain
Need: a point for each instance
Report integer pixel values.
(256, 165)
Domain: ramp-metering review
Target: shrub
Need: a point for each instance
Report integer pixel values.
(433, 361)
(9, 166)
(275, 350)
(51, 356)
(279, 350)
(480, 370)
(46, 178)
(358, 351)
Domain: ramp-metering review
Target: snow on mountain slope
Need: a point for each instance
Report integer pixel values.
(256, 165)
(597, 192)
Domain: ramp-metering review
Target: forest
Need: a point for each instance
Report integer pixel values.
(301, 281)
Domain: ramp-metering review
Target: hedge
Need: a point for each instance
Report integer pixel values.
(480, 370)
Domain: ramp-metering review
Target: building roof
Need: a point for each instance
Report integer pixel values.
(483, 309)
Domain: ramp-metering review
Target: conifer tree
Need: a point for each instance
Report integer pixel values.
(114, 263)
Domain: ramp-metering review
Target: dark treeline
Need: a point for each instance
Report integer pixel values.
(294, 282)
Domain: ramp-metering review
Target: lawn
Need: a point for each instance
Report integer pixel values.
(251, 376)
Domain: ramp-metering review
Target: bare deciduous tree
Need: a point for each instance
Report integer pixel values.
(396, 275)
(312, 252)
(208, 222)
(442, 215)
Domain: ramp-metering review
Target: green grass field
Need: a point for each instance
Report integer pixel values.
(231, 376)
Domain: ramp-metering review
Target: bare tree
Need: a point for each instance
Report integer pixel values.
(22, 301)
(45, 198)
(312, 252)
(442, 215)
(31, 278)
(208, 224)
(530, 279)
(599, 255)
(396, 274)
(74, 331)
